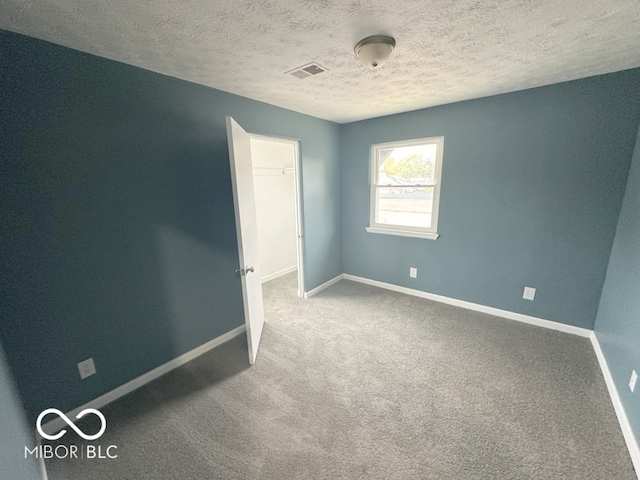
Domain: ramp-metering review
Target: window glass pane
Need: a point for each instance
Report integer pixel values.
(403, 206)
(414, 165)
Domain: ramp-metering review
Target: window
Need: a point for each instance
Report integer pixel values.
(405, 187)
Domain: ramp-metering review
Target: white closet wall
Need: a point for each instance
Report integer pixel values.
(275, 206)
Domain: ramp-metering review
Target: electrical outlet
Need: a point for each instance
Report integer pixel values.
(529, 293)
(632, 382)
(413, 272)
(86, 368)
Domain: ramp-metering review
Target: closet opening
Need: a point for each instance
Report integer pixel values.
(276, 180)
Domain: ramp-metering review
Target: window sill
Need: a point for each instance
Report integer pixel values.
(403, 233)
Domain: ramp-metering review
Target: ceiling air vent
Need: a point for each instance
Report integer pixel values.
(308, 70)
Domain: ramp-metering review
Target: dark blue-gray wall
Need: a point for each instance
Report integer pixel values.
(531, 190)
(119, 235)
(15, 433)
(618, 323)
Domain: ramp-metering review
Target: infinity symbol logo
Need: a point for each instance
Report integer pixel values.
(71, 424)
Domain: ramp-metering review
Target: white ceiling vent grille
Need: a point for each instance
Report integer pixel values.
(308, 70)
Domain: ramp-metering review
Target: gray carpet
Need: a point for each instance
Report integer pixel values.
(362, 383)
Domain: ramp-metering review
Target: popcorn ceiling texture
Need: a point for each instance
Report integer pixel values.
(446, 50)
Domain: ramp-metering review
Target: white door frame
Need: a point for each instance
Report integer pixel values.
(297, 180)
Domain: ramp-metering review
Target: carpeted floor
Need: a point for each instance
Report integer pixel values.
(363, 383)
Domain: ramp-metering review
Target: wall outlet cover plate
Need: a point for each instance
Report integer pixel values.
(86, 368)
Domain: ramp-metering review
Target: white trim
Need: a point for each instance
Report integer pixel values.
(319, 288)
(519, 317)
(627, 431)
(280, 273)
(297, 183)
(402, 233)
(57, 423)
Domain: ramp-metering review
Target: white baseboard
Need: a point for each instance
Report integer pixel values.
(627, 432)
(519, 317)
(57, 423)
(282, 272)
(319, 288)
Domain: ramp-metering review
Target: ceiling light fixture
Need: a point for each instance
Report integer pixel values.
(374, 51)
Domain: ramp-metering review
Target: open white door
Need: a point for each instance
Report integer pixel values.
(245, 208)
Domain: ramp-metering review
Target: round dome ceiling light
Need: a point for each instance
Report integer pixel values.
(374, 51)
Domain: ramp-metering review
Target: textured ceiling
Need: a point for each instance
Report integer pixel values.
(446, 50)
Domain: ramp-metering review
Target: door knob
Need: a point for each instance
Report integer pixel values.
(243, 271)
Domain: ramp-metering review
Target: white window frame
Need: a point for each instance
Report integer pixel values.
(402, 230)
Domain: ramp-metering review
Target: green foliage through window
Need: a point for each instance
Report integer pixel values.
(411, 166)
